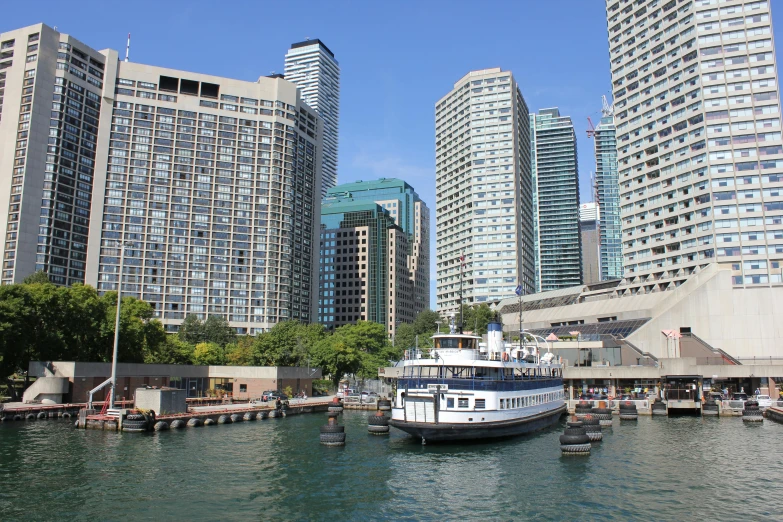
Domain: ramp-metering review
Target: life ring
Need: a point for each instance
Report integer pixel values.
(505, 356)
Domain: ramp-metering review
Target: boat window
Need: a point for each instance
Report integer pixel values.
(480, 404)
(462, 403)
(450, 402)
(448, 342)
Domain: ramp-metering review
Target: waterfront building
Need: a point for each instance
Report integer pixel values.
(239, 382)
(607, 189)
(590, 232)
(556, 186)
(313, 68)
(410, 213)
(725, 321)
(364, 257)
(699, 143)
(484, 193)
(212, 182)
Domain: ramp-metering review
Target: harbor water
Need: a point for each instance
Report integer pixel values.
(683, 468)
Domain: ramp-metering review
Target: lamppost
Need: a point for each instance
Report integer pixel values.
(113, 397)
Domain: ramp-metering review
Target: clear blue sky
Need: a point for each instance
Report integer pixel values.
(396, 59)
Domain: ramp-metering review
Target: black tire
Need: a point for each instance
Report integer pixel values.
(41, 415)
(161, 426)
(575, 449)
(249, 416)
(574, 431)
(236, 418)
(332, 437)
(331, 428)
(224, 419)
(17, 417)
(210, 422)
(134, 425)
(135, 417)
(195, 423)
(602, 411)
(378, 430)
(378, 421)
(591, 421)
(574, 439)
(336, 408)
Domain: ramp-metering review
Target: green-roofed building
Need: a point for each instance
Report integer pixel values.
(361, 249)
(409, 213)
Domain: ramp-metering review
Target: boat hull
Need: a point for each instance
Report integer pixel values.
(477, 431)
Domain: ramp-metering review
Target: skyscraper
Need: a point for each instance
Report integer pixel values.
(699, 142)
(483, 196)
(212, 182)
(590, 230)
(364, 266)
(607, 188)
(556, 185)
(313, 68)
(52, 104)
(410, 213)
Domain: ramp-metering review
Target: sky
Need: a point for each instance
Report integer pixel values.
(397, 58)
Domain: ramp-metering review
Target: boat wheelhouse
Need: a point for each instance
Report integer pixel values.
(462, 389)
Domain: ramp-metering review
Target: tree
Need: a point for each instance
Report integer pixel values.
(287, 344)
(476, 318)
(38, 277)
(335, 358)
(173, 351)
(140, 333)
(240, 353)
(191, 330)
(208, 354)
(427, 321)
(405, 337)
(216, 330)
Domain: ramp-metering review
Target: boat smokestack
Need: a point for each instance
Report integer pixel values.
(495, 342)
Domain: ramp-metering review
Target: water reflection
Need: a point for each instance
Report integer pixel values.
(655, 468)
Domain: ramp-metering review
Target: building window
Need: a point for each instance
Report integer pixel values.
(243, 388)
(450, 402)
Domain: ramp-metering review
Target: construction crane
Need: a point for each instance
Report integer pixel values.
(606, 110)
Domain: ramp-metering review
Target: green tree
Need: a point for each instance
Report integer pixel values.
(140, 333)
(476, 318)
(287, 343)
(427, 322)
(191, 330)
(335, 358)
(38, 277)
(208, 354)
(405, 337)
(172, 351)
(216, 330)
(240, 353)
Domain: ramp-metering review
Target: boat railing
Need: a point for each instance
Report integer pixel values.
(414, 383)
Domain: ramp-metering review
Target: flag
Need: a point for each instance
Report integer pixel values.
(518, 291)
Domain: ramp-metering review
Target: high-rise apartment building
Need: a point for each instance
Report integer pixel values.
(590, 232)
(410, 213)
(364, 271)
(607, 189)
(313, 68)
(52, 104)
(484, 211)
(699, 142)
(556, 186)
(213, 183)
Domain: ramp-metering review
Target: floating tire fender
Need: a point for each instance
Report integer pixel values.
(574, 439)
(210, 422)
(575, 448)
(332, 437)
(224, 419)
(195, 423)
(377, 429)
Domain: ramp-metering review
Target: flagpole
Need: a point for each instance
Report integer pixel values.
(461, 265)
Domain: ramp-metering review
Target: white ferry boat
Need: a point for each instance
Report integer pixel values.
(464, 390)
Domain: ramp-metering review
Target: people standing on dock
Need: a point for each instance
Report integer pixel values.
(278, 404)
